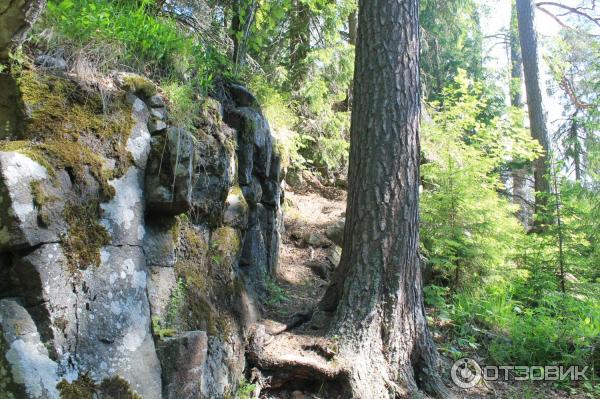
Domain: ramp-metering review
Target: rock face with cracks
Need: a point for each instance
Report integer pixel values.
(128, 261)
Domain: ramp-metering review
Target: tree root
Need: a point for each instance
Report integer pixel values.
(288, 358)
(283, 360)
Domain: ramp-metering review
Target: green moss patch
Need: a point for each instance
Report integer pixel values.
(40, 199)
(59, 108)
(85, 387)
(139, 85)
(85, 235)
(116, 387)
(82, 388)
(225, 245)
(69, 127)
(205, 270)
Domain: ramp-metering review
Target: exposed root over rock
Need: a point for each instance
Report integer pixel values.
(292, 361)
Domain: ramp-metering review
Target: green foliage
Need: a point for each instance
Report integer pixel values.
(558, 330)
(165, 326)
(245, 390)
(143, 37)
(451, 41)
(498, 288)
(468, 230)
(183, 106)
(275, 294)
(323, 125)
(159, 330)
(309, 126)
(113, 34)
(574, 64)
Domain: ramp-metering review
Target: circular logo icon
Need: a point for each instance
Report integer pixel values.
(465, 373)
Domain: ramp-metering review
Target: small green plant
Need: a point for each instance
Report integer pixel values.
(275, 293)
(176, 302)
(244, 390)
(160, 331)
(184, 108)
(165, 326)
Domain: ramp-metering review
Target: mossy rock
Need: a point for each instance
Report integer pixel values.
(281, 150)
(85, 235)
(8, 387)
(85, 387)
(137, 84)
(72, 129)
(40, 201)
(208, 276)
(67, 127)
(117, 388)
(11, 109)
(226, 244)
(58, 108)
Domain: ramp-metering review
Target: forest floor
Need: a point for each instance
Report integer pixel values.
(307, 258)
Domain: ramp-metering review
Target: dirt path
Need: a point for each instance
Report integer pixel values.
(307, 257)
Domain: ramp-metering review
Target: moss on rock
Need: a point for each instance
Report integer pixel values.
(85, 387)
(139, 85)
(40, 199)
(117, 388)
(284, 153)
(59, 108)
(85, 235)
(225, 244)
(69, 127)
(208, 282)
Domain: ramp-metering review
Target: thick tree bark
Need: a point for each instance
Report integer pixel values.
(519, 175)
(377, 291)
(537, 118)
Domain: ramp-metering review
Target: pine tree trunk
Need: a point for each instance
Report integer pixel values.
(299, 36)
(377, 291)
(236, 29)
(577, 150)
(519, 175)
(537, 118)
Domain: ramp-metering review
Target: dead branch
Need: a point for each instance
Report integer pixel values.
(571, 10)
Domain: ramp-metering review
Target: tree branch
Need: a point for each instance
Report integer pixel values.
(570, 10)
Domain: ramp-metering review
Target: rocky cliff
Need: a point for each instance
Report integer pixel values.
(132, 251)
